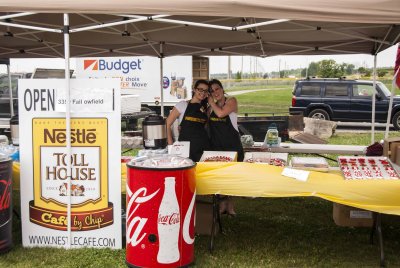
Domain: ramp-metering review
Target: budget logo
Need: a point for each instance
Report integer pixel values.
(120, 65)
(91, 65)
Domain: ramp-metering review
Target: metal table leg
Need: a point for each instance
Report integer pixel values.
(214, 220)
(377, 228)
(216, 217)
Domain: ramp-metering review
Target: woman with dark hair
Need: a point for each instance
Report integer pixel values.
(224, 131)
(192, 118)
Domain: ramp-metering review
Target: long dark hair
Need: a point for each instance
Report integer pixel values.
(215, 81)
(204, 103)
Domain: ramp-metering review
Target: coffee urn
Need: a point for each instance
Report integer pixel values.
(14, 127)
(154, 132)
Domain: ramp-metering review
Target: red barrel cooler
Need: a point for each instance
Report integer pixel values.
(160, 210)
(5, 204)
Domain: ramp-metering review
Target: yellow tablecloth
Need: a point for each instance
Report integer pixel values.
(259, 180)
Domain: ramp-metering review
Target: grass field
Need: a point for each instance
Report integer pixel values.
(267, 232)
(277, 100)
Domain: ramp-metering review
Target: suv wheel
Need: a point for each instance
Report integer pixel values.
(319, 114)
(396, 120)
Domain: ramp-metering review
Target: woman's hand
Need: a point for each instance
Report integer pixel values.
(210, 100)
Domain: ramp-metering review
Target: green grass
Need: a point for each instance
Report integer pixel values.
(276, 101)
(267, 232)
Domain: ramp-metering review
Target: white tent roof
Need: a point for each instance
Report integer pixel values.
(364, 11)
(217, 27)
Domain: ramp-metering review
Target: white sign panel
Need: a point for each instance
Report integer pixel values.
(95, 188)
(141, 76)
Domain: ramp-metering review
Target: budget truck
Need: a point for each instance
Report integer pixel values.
(141, 75)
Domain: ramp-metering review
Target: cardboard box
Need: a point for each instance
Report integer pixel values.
(204, 218)
(350, 216)
(389, 147)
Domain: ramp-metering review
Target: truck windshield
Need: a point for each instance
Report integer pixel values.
(384, 89)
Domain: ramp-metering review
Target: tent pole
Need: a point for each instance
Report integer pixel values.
(10, 90)
(67, 123)
(373, 96)
(161, 78)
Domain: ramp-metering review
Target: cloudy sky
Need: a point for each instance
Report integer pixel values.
(246, 64)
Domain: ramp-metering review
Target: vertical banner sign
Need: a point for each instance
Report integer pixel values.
(95, 192)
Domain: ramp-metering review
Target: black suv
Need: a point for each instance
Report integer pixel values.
(343, 100)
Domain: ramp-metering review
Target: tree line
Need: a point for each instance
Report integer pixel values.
(324, 68)
(332, 69)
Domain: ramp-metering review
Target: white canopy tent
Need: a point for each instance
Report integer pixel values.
(73, 28)
(257, 28)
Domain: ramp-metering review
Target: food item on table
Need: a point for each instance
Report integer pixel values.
(272, 161)
(367, 168)
(218, 158)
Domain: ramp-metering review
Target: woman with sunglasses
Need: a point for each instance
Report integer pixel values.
(224, 131)
(192, 118)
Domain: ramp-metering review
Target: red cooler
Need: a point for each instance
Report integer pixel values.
(5, 204)
(160, 208)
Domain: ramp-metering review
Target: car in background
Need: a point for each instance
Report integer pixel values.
(343, 100)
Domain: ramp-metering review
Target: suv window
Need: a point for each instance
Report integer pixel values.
(363, 90)
(312, 89)
(334, 90)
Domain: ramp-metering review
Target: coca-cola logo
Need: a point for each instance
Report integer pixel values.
(135, 199)
(135, 223)
(5, 194)
(174, 218)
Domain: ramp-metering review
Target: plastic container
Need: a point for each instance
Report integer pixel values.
(272, 137)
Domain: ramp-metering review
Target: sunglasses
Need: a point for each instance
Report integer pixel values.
(202, 90)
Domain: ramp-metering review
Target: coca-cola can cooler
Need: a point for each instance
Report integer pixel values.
(160, 212)
(5, 204)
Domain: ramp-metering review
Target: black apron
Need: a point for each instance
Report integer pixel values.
(192, 128)
(224, 137)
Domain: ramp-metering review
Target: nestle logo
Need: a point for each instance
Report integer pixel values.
(119, 65)
(77, 136)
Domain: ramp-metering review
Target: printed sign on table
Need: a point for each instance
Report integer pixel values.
(95, 189)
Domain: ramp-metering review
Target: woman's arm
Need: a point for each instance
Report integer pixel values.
(173, 115)
(229, 107)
